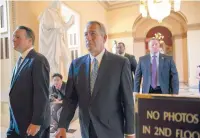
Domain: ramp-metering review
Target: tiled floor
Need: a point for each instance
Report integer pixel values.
(184, 90)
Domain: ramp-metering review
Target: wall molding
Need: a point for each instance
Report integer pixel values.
(195, 26)
(131, 34)
(120, 35)
(139, 39)
(180, 36)
(13, 25)
(112, 5)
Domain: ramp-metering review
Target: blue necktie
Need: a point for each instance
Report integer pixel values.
(18, 65)
(93, 74)
(154, 73)
(19, 62)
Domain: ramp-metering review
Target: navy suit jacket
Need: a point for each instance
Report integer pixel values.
(29, 94)
(110, 107)
(168, 75)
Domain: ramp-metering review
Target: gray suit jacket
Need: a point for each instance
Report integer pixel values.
(168, 75)
(110, 107)
(29, 94)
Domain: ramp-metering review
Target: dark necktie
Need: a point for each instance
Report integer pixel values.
(154, 73)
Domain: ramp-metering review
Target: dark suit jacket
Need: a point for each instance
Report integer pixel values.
(168, 75)
(110, 108)
(132, 61)
(133, 64)
(29, 94)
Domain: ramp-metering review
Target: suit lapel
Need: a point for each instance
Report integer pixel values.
(101, 71)
(148, 63)
(87, 75)
(16, 75)
(13, 75)
(161, 63)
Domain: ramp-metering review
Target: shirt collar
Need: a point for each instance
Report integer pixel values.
(123, 54)
(25, 53)
(98, 57)
(157, 54)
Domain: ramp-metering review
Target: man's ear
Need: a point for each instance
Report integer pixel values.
(105, 38)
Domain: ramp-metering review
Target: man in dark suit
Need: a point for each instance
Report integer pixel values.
(158, 72)
(100, 84)
(29, 91)
(57, 93)
(121, 51)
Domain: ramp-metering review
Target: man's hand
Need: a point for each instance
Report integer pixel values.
(61, 133)
(132, 136)
(32, 130)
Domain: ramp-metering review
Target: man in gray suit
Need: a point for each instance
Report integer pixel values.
(100, 84)
(158, 72)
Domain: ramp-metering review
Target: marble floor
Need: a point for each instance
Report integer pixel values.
(184, 90)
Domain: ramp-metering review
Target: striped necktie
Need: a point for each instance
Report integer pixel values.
(93, 74)
(18, 64)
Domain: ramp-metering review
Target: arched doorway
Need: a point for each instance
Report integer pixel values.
(176, 24)
(165, 37)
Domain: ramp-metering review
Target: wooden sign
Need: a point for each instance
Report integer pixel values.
(167, 116)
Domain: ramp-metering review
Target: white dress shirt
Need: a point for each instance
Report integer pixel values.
(25, 53)
(98, 57)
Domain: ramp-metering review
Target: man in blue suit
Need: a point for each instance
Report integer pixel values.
(158, 72)
(29, 91)
(100, 84)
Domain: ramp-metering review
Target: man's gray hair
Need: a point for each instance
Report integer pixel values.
(101, 26)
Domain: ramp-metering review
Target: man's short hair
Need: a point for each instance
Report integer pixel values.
(153, 38)
(101, 26)
(122, 44)
(57, 75)
(29, 33)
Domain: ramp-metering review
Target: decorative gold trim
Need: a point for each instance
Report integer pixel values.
(195, 26)
(152, 96)
(119, 35)
(146, 96)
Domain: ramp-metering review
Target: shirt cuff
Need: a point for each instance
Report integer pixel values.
(129, 134)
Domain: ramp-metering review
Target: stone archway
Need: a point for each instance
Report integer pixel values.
(176, 23)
